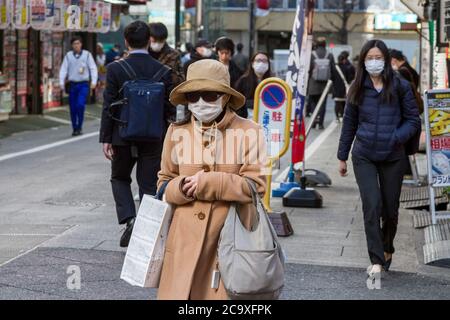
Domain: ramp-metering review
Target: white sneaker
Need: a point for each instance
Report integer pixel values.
(374, 269)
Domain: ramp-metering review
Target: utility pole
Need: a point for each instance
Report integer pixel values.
(177, 23)
(251, 43)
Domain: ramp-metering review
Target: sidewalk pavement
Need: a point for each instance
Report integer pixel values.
(51, 118)
(57, 211)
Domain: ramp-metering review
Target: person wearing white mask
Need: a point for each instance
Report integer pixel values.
(382, 119)
(258, 70)
(205, 165)
(202, 50)
(161, 51)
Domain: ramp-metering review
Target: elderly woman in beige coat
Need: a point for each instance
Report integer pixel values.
(206, 161)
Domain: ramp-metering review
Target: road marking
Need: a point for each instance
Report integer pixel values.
(28, 234)
(57, 119)
(310, 150)
(47, 146)
(319, 140)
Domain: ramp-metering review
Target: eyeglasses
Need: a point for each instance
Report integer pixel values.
(208, 96)
(261, 60)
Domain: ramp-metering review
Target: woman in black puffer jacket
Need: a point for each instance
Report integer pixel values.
(381, 116)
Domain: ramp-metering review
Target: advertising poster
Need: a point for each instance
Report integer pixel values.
(85, 14)
(115, 18)
(38, 14)
(73, 16)
(93, 16)
(49, 13)
(106, 18)
(438, 115)
(60, 11)
(4, 14)
(21, 14)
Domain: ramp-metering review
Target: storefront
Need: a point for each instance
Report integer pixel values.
(35, 35)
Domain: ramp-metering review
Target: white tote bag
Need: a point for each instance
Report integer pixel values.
(145, 253)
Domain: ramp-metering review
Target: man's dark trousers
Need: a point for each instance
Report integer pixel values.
(380, 185)
(148, 162)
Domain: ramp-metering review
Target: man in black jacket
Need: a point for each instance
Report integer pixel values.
(124, 154)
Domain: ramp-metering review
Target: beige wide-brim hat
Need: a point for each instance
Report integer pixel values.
(207, 75)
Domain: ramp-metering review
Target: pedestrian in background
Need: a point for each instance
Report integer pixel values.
(79, 72)
(241, 59)
(316, 85)
(161, 51)
(342, 76)
(100, 59)
(401, 65)
(202, 191)
(124, 154)
(186, 57)
(382, 114)
(113, 54)
(257, 71)
(225, 50)
(202, 50)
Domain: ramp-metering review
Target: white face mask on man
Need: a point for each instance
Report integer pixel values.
(206, 112)
(156, 46)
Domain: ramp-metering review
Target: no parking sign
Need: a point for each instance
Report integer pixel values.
(272, 109)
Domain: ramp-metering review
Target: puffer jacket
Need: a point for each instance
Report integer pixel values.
(379, 129)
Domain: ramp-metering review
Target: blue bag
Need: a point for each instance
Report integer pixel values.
(142, 106)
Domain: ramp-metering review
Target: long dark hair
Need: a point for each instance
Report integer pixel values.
(250, 77)
(356, 92)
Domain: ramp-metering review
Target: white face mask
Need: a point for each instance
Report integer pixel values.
(206, 52)
(374, 67)
(260, 67)
(206, 112)
(157, 46)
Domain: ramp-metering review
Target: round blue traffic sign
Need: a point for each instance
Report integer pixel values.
(273, 96)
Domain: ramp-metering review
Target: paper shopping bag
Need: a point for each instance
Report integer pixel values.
(145, 254)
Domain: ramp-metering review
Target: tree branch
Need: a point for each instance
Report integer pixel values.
(356, 25)
(326, 29)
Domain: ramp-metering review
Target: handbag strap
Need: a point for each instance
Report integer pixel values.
(341, 74)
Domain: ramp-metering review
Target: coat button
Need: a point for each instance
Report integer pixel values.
(201, 216)
(206, 168)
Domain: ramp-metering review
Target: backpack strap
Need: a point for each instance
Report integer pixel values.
(315, 54)
(128, 69)
(160, 73)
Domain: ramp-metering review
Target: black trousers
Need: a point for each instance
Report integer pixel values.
(148, 160)
(313, 101)
(339, 109)
(380, 186)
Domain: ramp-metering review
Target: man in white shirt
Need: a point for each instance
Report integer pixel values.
(79, 69)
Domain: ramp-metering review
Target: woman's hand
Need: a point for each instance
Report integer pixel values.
(343, 168)
(191, 183)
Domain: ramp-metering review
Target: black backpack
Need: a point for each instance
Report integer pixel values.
(142, 106)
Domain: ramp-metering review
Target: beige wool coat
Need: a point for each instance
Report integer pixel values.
(191, 248)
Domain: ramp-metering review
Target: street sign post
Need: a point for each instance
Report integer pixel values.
(437, 123)
(272, 109)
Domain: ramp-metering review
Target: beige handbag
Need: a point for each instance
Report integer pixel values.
(251, 263)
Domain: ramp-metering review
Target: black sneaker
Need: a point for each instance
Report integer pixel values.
(125, 239)
(74, 133)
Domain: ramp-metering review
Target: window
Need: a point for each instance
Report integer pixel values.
(276, 4)
(230, 3)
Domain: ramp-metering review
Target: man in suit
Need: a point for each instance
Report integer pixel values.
(125, 155)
